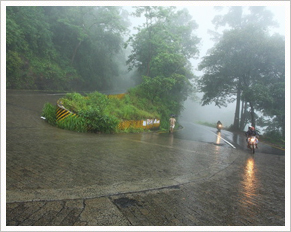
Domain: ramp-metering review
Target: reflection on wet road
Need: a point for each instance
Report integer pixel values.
(195, 132)
(250, 181)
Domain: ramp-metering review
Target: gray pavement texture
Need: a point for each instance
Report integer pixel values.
(62, 178)
(228, 198)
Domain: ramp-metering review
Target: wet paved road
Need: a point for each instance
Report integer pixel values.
(190, 178)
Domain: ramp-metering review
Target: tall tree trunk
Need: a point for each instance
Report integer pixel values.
(148, 26)
(252, 115)
(283, 127)
(149, 59)
(243, 115)
(237, 109)
(75, 51)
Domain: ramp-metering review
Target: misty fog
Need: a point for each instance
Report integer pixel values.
(203, 15)
(194, 112)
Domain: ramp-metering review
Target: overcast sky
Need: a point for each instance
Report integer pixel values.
(203, 16)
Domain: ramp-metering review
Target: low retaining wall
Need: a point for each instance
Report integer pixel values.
(137, 124)
(119, 96)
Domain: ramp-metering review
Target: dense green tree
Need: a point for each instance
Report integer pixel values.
(90, 37)
(63, 47)
(32, 60)
(266, 93)
(246, 64)
(164, 31)
(161, 50)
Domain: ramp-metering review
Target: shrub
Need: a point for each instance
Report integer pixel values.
(274, 137)
(98, 113)
(49, 112)
(96, 122)
(74, 123)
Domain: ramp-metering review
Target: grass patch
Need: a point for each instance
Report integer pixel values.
(274, 138)
(49, 112)
(98, 113)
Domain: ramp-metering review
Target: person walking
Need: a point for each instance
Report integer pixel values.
(172, 123)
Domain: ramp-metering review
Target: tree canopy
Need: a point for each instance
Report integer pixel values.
(63, 47)
(161, 50)
(247, 64)
(82, 48)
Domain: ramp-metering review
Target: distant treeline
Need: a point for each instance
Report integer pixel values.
(247, 66)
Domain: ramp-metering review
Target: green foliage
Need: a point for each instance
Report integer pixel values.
(235, 17)
(74, 102)
(74, 123)
(164, 43)
(246, 64)
(128, 108)
(161, 52)
(49, 112)
(97, 122)
(63, 48)
(98, 113)
(274, 137)
(89, 38)
(88, 118)
(13, 69)
(159, 95)
(133, 130)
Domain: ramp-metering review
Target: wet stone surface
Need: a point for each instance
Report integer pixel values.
(225, 199)
(63, 178)
(125, 202)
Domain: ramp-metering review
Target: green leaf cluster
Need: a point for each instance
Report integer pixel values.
(161, 95)
(247, 66)
(49, 112)
(73, 123)
(95, 112)
(161, 51)
(63, 48)
(99, 104)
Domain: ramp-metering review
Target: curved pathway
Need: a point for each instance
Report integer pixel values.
(59, 177)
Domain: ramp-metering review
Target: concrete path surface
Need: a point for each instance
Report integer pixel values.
(230, 197)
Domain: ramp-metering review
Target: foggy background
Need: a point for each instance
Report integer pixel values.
(203, 15)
